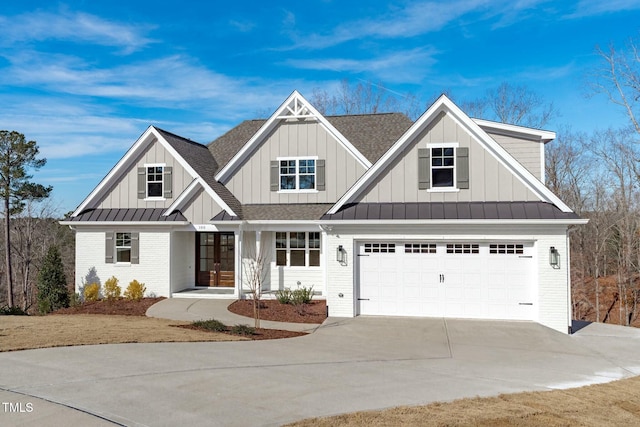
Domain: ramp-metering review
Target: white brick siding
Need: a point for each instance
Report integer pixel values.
(153, 269)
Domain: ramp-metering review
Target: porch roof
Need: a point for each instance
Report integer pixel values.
(452, 211)
(126, 215)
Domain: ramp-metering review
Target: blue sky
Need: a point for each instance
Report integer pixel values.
(85, 78)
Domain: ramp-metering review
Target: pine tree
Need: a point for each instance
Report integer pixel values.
(52, 283)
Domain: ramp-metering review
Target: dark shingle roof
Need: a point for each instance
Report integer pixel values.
(200, 159)
(371, 134)
(284, 212)
(127, 215)
(453, 211)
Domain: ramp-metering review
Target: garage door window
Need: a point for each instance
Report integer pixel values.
(506, 248)
(379, 248)
(419, 248)
(298, 249)
(463, 248)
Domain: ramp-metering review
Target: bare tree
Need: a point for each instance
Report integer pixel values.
(516, 105)
(619, 79)
(255, 272)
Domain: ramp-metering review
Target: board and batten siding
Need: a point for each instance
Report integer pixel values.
(201, 208)
(251, 182)
(525, 151)
(153, 269)
(124, 193)
(489, 180)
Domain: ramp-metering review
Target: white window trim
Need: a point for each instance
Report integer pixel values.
(454, 188)
(297, 189)
(116, 247)
(306, 251)
(146, 182)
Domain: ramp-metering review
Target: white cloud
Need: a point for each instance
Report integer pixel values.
(72, 26)
(407, 66)
(599, 7)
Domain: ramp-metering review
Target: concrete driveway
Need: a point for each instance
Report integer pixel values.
(347, 365)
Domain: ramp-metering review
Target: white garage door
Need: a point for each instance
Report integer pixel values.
(449, 279)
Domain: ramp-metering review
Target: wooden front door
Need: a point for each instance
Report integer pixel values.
(215, 256)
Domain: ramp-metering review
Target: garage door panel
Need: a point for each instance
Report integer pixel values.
(489, 281)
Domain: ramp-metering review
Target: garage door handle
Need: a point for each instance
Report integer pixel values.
(364, 299)
(525, 303)
(363, 254)
(525, 256)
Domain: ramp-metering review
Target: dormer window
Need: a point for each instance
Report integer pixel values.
(442, 167)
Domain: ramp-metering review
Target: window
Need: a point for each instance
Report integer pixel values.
(298, 249)
(154, 181)
(442, 166)
(297, 174)
(463, 248)
(123, 247)
(506, 248)
(379, 248)
(419, 248)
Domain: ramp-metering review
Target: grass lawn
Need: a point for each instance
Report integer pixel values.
(613, 404)
(26, 332)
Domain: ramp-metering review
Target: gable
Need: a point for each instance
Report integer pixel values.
(200, 208)
(250, 182)
(425, 172)
(489, 180)
(123, 193)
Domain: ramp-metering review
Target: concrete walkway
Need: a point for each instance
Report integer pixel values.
(190, 309)
(344, 366)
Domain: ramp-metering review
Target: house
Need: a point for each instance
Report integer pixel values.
(446, 216)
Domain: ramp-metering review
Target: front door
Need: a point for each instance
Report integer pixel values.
(215, 255)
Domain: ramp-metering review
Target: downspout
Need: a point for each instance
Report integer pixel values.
(568, 268)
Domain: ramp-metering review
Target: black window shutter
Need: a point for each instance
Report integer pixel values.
(424, 179)
(462, 167)
(320, 175)
(275, 185)
(168, 182)
(142, 183)
(135, 248)
(109, 247)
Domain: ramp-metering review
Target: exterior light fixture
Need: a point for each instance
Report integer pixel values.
(554, 257)
(341, 254)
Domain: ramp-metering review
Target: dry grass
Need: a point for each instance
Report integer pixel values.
(612, 404)
(26, 332)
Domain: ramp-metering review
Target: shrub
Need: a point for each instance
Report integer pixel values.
(210, 325)
(302, 295)
(52, 283)
(74, 299)
(111, 289)
(92, 292)
(284, 296)
(135, 291)
(12, 311)
(244, 330)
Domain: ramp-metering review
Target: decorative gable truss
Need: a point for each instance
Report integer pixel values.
(450, 156)
(153, 180)
(295, 107)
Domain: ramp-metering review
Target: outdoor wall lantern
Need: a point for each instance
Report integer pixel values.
(341, 254)
(554, 257)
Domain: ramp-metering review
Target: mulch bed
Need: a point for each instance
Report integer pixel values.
(314, 312)
(259, 333)
(121, 307)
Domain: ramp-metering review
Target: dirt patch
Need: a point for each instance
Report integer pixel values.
(314, 312)
(612, 404)
(119, 307)
(27, 332)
